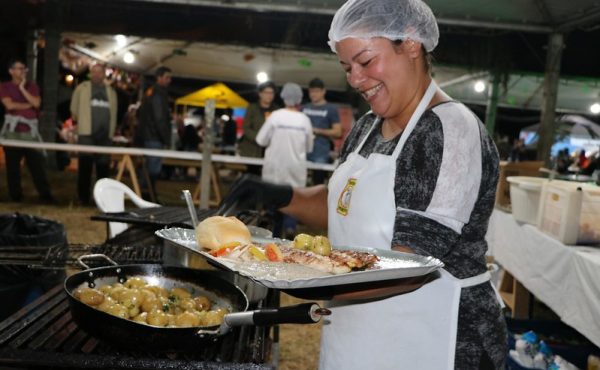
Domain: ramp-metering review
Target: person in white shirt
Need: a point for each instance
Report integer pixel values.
(288, 137)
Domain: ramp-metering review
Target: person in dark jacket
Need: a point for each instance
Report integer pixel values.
(255, 117)
(155, 123)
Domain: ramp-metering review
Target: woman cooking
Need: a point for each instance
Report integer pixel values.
(417, 174)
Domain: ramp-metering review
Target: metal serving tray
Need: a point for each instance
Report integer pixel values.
(392, 264)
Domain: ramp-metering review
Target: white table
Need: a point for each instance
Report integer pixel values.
(566, 278)
(126, 163)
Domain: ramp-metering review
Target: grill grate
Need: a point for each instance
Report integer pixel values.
(138, 245)
(43, 334)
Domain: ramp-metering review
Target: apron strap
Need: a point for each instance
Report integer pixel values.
(429, 93)
(480, 279)
(416, 116)
(475, 280)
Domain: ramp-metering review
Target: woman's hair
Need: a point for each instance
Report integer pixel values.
(427, 56)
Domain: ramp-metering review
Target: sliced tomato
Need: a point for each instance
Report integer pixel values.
(225, 249)
(273, 253)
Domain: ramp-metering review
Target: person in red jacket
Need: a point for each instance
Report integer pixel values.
(21, 99)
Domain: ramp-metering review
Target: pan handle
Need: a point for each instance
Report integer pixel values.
(90, 256)
(305, 313)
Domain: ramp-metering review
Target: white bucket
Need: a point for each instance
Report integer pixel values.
(525, 197)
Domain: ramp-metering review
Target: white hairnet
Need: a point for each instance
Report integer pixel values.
(392, 19)
(291, 94)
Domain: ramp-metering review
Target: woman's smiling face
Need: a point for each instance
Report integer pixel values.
(385, 74)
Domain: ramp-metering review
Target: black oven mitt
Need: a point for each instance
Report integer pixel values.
(251, 192)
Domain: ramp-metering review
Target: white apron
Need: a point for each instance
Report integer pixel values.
(413, 331)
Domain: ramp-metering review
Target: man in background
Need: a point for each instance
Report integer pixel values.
(94, 107)
(255, 117)
(155, 124)
(326, 126)
(22, 101)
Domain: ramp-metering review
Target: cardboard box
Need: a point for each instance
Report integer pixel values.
(526, 168)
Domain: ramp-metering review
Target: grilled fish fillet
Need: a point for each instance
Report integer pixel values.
(338, 262)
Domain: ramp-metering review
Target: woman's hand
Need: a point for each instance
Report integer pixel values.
(381, 289)
(373, 290)
(250, 192)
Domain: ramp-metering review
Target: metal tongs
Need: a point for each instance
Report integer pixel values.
(190, 205)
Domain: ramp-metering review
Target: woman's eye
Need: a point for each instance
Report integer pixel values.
(364, 64)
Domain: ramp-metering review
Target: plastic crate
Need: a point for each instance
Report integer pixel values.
(525, 194)
(570, 212)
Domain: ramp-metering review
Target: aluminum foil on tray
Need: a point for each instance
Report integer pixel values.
(278, 275)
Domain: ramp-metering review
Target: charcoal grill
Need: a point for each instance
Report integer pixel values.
(137, 245)
(156, 216)
(43, 334)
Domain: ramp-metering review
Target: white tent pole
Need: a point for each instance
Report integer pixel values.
(209, 117)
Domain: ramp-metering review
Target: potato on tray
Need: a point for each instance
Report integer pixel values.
(228, 237)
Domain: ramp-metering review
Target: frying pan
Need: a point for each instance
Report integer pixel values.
(213, 284)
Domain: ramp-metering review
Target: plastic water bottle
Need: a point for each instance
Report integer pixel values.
(544, 357)
(563, 364)
(526, 347)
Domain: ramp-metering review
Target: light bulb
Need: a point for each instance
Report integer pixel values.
(121, 40)
(128, 57)
(479, 86)
(262, 77)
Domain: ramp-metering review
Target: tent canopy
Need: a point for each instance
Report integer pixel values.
(573, 132)
(224, 97)
(571, 125)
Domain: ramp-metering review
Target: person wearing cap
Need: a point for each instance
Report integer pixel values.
(255, 117)
(94, 108)
(326, 125)
(154, 127)
(288, 137)
(417, 174)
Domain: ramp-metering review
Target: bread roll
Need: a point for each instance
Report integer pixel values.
(215, 231)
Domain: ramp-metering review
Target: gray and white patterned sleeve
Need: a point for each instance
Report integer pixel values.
(438, 176)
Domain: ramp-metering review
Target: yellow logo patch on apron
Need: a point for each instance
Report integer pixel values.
(345, 196)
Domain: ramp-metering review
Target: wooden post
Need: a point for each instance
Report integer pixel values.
(515, 296)
(53, 12)
(127, 163)
(209, 117)
(551, 79)
(492, 105)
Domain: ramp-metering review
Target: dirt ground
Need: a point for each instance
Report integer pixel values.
(299, 344)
